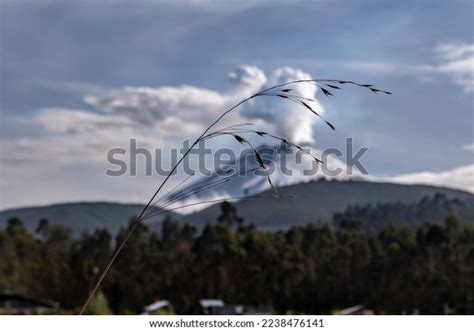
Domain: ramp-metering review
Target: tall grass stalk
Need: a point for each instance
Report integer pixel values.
(283, 91)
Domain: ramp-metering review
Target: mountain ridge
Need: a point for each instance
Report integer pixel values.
(80, 216)
(314, 201)
(320, 200)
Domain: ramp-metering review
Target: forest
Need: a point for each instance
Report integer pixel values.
(312, 269)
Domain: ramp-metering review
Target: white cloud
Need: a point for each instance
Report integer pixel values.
(248, 77)
(291, 121)
(158, 117)
(196, 107)
(453, 59)
(460, 178)
(468, 147)
(458, 61)
(455, 51)
(147, 105)
(190, 107)
(71, 121)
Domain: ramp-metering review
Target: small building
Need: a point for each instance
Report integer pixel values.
(156, 307)
(355, 310)
(18, 304)
(218, 307)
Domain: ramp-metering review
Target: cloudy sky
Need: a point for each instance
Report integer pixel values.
(81, 77)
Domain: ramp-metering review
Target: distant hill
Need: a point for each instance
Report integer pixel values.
(314, 201)
(321, 200)
(78, 216)
(430, 208)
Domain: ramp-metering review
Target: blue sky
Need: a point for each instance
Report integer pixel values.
(62, 62)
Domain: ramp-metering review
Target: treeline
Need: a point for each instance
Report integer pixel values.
(312, 269)
(437, 207)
